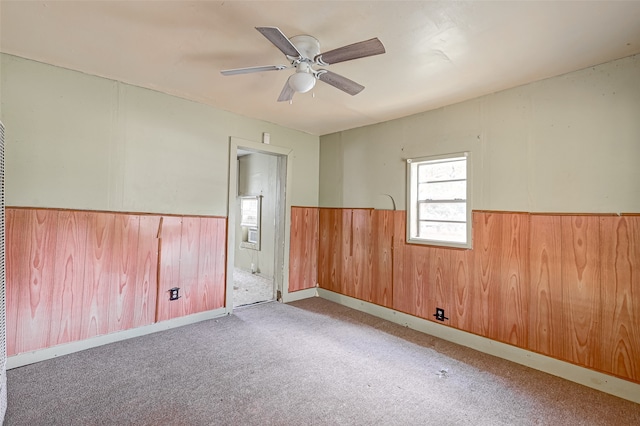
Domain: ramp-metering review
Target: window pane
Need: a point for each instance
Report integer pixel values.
(443, 211)
(249, 211)
(442, 191)
(443, 231)
(442, 171)
(437, 210)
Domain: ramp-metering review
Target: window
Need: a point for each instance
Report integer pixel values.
(438, 210)
(250, 218)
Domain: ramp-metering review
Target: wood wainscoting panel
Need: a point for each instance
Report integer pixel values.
(487, 309)
(411, 290)
(620, 289)
(415, 291)
(70, 253)
(189, 258)
(462, 289)
(582, 304)
(73, 275)
(146, 286)
(330, 249)
(401, 293)
(546, 306)
(514, 289)
(16, 226)
(356, 271)
(303, 248)
(36, 287)
(382, 228)
(346, 251)
(169, 270)
(211, 266)
(440, 283)
(124, 274)
(97, 275)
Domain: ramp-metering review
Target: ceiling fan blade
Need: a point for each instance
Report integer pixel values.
(287, 93)
(279, 40)
(253, 69)
(340, 82)
(353, 51)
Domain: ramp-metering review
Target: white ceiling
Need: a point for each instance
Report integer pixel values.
(438, 52)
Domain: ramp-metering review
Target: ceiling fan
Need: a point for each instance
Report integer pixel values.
(303, 53)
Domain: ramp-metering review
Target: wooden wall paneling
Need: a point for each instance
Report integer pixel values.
(487, 308)
(189, 258)
(463, 291)
(220, 266)
(124, 272)
(545, 311)
(324, 248)
(70, 254)
(146, 286)
(211, 264)
(169, 270)
(296, 248)
(399, 297)
(620, 268)
(357, 278)
(581, 290)
(96, 295)
(382, 230)
(439, 282)
(515, 288)
(403, 288)
(16, 242)
(346, 274)
(206, 264)
(37, 284)
(330, 249)
(303, 252)
(412, 292)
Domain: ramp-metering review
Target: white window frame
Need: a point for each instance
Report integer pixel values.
(413, 202)
(250, 221)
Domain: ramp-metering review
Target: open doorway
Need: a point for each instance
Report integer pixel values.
(256, 209)
(256, 223)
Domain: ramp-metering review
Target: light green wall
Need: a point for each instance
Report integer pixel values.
(565, 144)
(84, 142)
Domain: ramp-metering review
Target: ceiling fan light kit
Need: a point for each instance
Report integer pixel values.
(302, 81)
(303, 53)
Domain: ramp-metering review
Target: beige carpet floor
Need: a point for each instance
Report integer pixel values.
(312, 362)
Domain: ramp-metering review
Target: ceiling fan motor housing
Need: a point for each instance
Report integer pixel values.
(308, 46)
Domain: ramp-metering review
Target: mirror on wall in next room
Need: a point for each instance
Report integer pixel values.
(250, 218)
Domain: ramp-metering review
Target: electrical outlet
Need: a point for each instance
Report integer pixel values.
(440, 314)
(174, 293)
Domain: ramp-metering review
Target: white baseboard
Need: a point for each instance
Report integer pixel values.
(299, 295)
(584, 376)
(26, 358)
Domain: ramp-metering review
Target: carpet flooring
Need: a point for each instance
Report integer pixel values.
(312, 362)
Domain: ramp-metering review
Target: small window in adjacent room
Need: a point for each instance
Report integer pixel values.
(250, 220)
(438, 195)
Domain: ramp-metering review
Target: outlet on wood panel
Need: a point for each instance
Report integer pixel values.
(440, 314)
(174, 293)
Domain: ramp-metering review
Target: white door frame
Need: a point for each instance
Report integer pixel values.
(281, 274)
